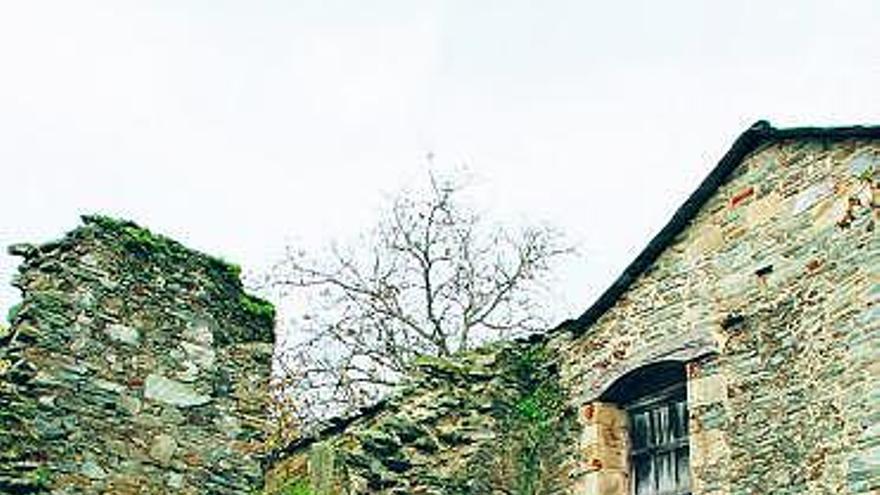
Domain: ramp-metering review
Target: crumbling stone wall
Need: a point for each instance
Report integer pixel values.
(132, 365)
(489, 422)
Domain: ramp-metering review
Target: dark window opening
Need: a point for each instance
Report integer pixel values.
(655, 398)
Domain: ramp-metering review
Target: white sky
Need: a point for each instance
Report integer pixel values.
(238, 126)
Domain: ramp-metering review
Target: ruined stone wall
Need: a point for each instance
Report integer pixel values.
(770, 297)
(132, 365)
(489, 422)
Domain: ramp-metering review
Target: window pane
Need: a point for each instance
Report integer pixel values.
(683, 474)
(666, 473)
(662, 434)
(644, 474)
(680, 419)
(640, 430)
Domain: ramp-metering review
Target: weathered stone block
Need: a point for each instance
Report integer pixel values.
(124, 334)
(608, 415)
(705, 241)
(764, 210)
(606, 482)
(708, 448)
(159, 388)
(708, 389)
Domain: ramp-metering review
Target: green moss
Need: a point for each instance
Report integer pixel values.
(531, 409)
(136, 239)
(322, 463)
(298, 487)
(262, 311)
(143, 242)
(463, 364)
(534, 420)
(223, 268)
(107, 223)
(439, 364)
(40, 477)
(13, 312)
(254, 318)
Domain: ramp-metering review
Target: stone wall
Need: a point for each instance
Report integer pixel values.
(489, 422)
(768, 298)
(132, 365)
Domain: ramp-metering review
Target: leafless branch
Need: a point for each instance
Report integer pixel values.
(431, 278)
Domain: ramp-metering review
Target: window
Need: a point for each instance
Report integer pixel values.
(659, 443)
(655, 400)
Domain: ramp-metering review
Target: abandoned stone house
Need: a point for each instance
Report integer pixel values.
(737, 354)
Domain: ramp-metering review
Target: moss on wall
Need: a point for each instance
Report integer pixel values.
(491, 421)
(141, 249)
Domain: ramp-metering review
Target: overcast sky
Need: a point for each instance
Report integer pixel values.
(237, 127)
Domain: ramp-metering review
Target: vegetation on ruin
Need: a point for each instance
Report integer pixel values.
(514, 444)
(537, 415)
(148, 247)
(432, 278)
(299, 487)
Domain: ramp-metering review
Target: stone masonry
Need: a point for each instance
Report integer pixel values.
(491, 421)
(764, 286)
(770, 297)
(132, 366)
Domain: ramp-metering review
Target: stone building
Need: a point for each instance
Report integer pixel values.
(737, 354)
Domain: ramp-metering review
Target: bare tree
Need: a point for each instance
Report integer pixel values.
(431, 279)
